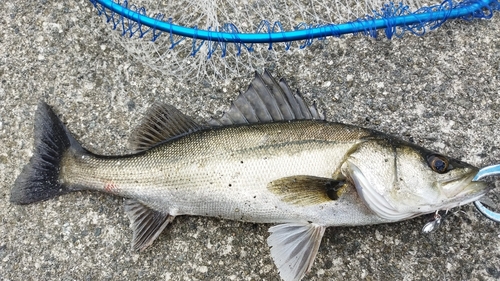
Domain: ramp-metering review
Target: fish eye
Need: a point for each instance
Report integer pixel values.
(438, 163)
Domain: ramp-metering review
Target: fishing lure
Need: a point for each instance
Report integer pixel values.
(437, 219)
(493, 170)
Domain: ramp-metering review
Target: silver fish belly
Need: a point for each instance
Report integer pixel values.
(270, 158)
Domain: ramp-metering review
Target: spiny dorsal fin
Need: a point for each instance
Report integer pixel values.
(294, 247)
(162, 122)
(266, 100)
(147, 223)
(307, 190)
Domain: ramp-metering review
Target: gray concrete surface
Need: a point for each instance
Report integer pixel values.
(441, 90)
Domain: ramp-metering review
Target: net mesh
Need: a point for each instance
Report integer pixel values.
(192, 58)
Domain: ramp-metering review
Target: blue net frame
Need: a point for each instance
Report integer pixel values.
(394, 19)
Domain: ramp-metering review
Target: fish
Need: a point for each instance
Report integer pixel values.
(271, 158)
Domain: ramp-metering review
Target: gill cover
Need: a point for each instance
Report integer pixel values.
(399, 180)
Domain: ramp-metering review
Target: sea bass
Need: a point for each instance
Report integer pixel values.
(270, 158)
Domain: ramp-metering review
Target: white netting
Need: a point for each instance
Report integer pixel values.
(247, 16)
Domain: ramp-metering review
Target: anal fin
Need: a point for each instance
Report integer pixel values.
(294, 247)
(146, 223)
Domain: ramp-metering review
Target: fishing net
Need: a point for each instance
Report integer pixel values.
(196, 39)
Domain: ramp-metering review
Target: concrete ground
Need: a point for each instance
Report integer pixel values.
(441, 91)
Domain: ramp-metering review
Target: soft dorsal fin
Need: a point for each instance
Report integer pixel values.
(162, 122)
(266, 100)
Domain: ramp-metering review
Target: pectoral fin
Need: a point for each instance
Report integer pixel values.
(147, 223)
(294, 247)
(307, 190)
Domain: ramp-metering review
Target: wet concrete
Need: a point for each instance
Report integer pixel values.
(440, 91)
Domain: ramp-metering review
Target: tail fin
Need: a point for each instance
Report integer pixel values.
(39, 179)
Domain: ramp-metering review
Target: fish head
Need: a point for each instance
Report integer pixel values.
(398, 180)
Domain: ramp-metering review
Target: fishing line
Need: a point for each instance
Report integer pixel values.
(229, 29)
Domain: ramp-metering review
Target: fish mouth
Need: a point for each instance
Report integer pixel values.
(463, 187)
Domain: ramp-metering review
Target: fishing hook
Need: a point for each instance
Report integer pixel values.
(484, 172)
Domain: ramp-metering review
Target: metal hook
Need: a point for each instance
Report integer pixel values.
(484, 172)
(487, 171)
(487, 213)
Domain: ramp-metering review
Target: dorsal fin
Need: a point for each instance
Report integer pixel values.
(266, 100)
(162, 122)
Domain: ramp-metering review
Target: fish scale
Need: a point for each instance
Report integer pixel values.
(168, 176)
